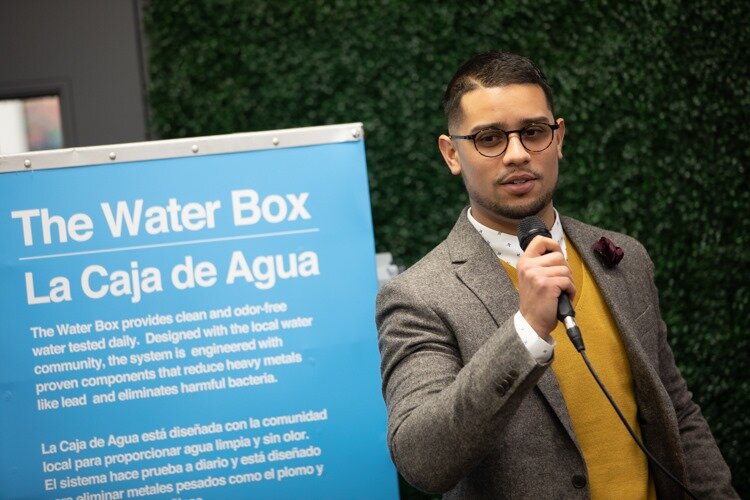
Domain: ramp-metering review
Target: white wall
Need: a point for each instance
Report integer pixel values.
(12, 127)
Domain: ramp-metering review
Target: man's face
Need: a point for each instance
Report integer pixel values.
(518, 183)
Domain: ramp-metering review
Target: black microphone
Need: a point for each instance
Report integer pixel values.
(528, 229)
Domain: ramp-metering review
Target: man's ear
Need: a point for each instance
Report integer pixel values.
(450, 154)
(559, 136)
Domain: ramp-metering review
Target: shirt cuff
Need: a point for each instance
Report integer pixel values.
(538, 348)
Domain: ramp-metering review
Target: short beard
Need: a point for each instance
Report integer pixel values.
(507, 211)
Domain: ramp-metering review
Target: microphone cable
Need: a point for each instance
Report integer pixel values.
(630, 429)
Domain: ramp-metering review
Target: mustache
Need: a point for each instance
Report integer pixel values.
(514, 173)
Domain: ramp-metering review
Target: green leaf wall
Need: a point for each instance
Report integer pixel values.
(655, 95)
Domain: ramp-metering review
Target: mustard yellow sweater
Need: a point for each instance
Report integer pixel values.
(617, 468)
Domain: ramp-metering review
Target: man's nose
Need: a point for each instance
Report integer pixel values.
(515, 153)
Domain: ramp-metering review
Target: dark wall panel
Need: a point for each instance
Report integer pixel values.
(91, 49)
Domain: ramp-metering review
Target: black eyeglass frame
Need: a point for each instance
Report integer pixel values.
(472, 137)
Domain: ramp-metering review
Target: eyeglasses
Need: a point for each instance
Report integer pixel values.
(492, 142)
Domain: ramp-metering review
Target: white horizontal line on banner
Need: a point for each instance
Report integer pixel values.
(173, 244)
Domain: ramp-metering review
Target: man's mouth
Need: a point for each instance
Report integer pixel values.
(518, 179)
(519, 183)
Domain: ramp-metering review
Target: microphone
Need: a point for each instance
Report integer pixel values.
(528, 229)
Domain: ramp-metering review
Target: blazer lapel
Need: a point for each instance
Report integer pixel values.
(480, 270)
(613, 284)
(654, 405)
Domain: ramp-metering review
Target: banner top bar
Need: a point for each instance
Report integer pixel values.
(176, 148)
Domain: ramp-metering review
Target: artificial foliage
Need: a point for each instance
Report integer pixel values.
(655, 95)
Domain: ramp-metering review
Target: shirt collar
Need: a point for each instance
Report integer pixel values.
(506, 246)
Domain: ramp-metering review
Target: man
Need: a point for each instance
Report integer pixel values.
(486, 396)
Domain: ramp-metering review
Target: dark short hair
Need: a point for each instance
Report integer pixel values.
(491, 69)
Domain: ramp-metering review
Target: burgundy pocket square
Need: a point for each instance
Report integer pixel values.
(609, 253)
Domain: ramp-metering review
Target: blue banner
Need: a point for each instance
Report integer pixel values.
(193, 327)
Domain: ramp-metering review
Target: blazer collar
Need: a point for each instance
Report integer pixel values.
(477, 266)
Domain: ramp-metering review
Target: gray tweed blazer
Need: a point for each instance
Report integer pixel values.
(473, 415)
